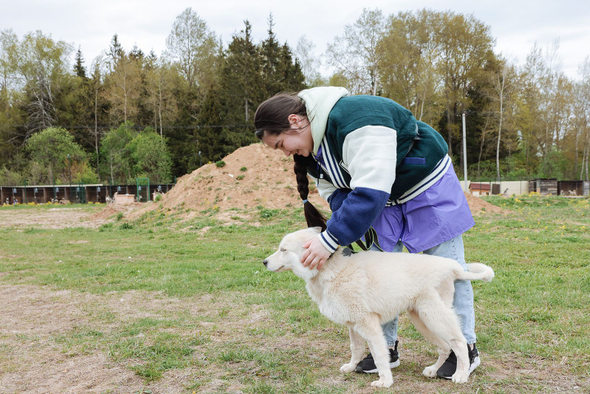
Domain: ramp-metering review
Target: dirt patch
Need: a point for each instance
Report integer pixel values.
(35, 359)
(32, 362)
(62, 217)
(53, 218)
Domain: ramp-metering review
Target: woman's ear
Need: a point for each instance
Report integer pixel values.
(293, 120)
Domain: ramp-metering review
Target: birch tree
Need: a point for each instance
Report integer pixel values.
(355, 55)
(123, 84)
(310, 62)
(582, 116)
(43, 63)
(503, 82)
(160, 80)
(193, 47)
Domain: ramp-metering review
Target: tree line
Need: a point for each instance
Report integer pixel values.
(130, 114)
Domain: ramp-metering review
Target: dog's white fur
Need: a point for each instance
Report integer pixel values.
(366, 289)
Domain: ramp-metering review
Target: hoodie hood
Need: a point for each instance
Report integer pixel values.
(318, 103)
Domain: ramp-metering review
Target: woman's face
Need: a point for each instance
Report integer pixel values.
(296, 140)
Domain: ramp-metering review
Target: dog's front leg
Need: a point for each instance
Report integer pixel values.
(357, 348)
(372, 332)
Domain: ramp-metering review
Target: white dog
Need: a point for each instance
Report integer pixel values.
(366, 289)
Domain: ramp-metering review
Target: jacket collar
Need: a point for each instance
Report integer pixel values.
(319, 102)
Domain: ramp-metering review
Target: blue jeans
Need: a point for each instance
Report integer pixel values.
(463, 301)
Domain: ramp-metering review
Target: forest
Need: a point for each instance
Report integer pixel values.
(129, 114)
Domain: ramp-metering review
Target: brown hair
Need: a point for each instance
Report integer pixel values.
(271, 118)
(272, 115)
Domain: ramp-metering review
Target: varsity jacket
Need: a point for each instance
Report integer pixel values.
(369, 152)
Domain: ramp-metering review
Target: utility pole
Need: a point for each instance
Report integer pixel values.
(464, 154)
(70, 171)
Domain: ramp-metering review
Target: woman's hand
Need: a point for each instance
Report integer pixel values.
(316, 254)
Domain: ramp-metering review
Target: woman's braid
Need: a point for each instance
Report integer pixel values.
(313, 217)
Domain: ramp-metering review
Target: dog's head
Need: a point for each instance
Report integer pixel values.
(288, 257)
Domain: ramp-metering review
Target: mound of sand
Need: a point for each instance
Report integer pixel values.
(479, 206)
(114, 209)
(252, 176)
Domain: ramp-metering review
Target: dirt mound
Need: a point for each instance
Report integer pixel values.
(114, 209)
(479, 206)
(252, 176)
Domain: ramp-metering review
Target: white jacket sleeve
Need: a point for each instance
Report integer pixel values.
(370, 154)
(325, 188)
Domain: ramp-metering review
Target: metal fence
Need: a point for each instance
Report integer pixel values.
(79, 193)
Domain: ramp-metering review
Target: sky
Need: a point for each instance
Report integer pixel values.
(517, 25)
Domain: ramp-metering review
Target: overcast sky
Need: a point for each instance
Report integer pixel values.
(515, 24)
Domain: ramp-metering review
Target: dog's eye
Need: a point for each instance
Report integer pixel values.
(283, 250)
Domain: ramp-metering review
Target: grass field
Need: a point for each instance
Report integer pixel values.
(166, 305)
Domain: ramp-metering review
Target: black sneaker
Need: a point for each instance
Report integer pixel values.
(367, 365)
(447, 370)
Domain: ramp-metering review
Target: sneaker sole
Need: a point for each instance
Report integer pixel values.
(472, 367)
(391, 366)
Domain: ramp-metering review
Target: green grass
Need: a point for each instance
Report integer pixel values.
(239, 327)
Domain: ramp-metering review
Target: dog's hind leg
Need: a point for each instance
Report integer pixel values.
(443, 348)
(443, 323)
(357, 348)
(460, 349)
(371, 331)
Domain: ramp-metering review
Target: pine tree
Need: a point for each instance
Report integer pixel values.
(280, 72)
(272, 67)
(116, 51)
(79, 68)
(293, 78)
(242, 89)
(210, 119)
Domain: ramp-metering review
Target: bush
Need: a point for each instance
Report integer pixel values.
(8, 177)
(220, 163)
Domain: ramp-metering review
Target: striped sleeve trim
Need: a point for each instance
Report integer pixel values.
(329, 241)
(332, 167)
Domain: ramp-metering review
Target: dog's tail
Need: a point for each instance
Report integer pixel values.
(476, 271)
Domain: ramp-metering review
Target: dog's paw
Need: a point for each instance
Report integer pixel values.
(460, 377)
(346, 368)
(430, 372)
(382, 383)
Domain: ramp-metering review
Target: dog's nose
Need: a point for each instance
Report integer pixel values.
(265, 262)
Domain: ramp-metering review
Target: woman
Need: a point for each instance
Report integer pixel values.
(379, 168)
